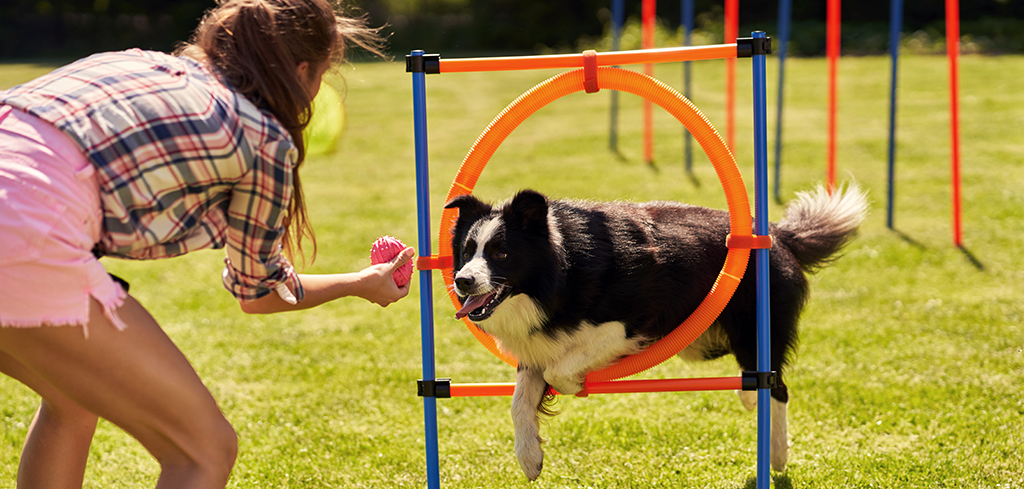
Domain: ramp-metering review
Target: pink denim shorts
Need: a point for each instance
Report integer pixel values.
(50, 218)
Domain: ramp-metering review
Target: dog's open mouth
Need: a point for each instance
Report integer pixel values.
(480, 307)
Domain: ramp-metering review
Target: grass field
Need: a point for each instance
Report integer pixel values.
(910, 364)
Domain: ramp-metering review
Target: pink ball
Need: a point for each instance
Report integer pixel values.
(386, 248)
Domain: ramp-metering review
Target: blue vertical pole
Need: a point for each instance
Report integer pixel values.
(687, 21)
(785, 16)
(419, 112)
(895, 27)
(764, 412)
(618, 12)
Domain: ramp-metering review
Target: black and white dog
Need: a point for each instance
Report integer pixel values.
(569, 287)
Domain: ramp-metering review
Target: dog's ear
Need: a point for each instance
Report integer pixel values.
(470, 208)
(527, 209)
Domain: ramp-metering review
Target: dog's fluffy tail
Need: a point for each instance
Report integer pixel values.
(817, 225)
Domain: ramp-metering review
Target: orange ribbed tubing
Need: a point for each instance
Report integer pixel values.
(709, 139)
(612, 58)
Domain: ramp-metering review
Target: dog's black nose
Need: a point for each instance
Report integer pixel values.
(464, 283)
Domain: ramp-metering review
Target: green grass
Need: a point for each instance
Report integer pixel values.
(910, 363)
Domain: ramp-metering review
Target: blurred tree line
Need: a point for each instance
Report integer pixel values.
(72, 28)
(67, 29)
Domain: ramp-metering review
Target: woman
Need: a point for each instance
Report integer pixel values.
(145, 155)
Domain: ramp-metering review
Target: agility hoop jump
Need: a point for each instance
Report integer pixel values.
(655, 91)
(590, 73)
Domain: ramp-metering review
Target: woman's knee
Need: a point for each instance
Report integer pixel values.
(220, 449)
(227, 442)
(203, 460)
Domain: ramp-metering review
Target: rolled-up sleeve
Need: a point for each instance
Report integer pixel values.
(255, 265)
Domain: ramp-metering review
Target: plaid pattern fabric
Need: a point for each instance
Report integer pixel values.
(184, 162)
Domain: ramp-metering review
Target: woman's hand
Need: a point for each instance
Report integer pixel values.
(380, 284)
(373, 283)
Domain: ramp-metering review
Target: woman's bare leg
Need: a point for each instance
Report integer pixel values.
(138, 380)
(57, 445)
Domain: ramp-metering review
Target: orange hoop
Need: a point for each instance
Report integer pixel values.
(709, 139)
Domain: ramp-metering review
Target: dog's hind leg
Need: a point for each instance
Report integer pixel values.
(780, 435)
(780, 425)
(526, 399)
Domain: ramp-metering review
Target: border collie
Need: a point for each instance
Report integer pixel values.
(571, 286)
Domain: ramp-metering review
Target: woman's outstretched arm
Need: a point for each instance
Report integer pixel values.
(373, 283)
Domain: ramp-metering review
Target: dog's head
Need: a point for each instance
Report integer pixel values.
(497, 250)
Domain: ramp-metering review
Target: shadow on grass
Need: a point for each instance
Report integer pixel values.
(916, 244)
(692, 177)
(781, 482)
(618, 155)
(654, 168)
(971, 258)
(907, 239)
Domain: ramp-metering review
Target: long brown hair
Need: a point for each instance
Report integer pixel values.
(256, 45)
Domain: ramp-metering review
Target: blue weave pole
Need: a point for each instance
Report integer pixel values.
(895, 27)
(785, 16)
(618, 13)
(419, 113)
(687, 21)
(764, 413)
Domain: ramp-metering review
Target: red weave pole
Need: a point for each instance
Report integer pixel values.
(953, 53)
(732, 29)
(611, 387)
(833, 37)
(647, 42)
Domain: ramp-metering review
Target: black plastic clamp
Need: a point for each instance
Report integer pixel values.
(426, 63)
(753, 381)
(749, 46)
(434, 388)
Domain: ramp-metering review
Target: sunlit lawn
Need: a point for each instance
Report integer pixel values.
(910, 363)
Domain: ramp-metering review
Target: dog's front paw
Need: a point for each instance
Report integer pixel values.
(565, 385)
(568, 388)
(748, 398)
(530, 455)
(526, 399)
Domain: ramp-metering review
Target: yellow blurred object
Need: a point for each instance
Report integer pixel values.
(328, 123)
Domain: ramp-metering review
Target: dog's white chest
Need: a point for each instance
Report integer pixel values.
(515, 324)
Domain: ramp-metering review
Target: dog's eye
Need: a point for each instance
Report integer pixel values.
(500, 255)
(466, 255)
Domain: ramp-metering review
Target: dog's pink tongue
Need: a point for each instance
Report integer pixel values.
(472, 302)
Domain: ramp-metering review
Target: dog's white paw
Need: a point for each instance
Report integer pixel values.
(565, 385)
(568, 388)
(525, 400)
(748, 398)
(530, 455)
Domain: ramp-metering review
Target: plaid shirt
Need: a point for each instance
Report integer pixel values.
(183, 162)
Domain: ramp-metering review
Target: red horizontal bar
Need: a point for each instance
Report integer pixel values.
(611, 58)
(482, 390)
(666, 385)
(610, 387)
